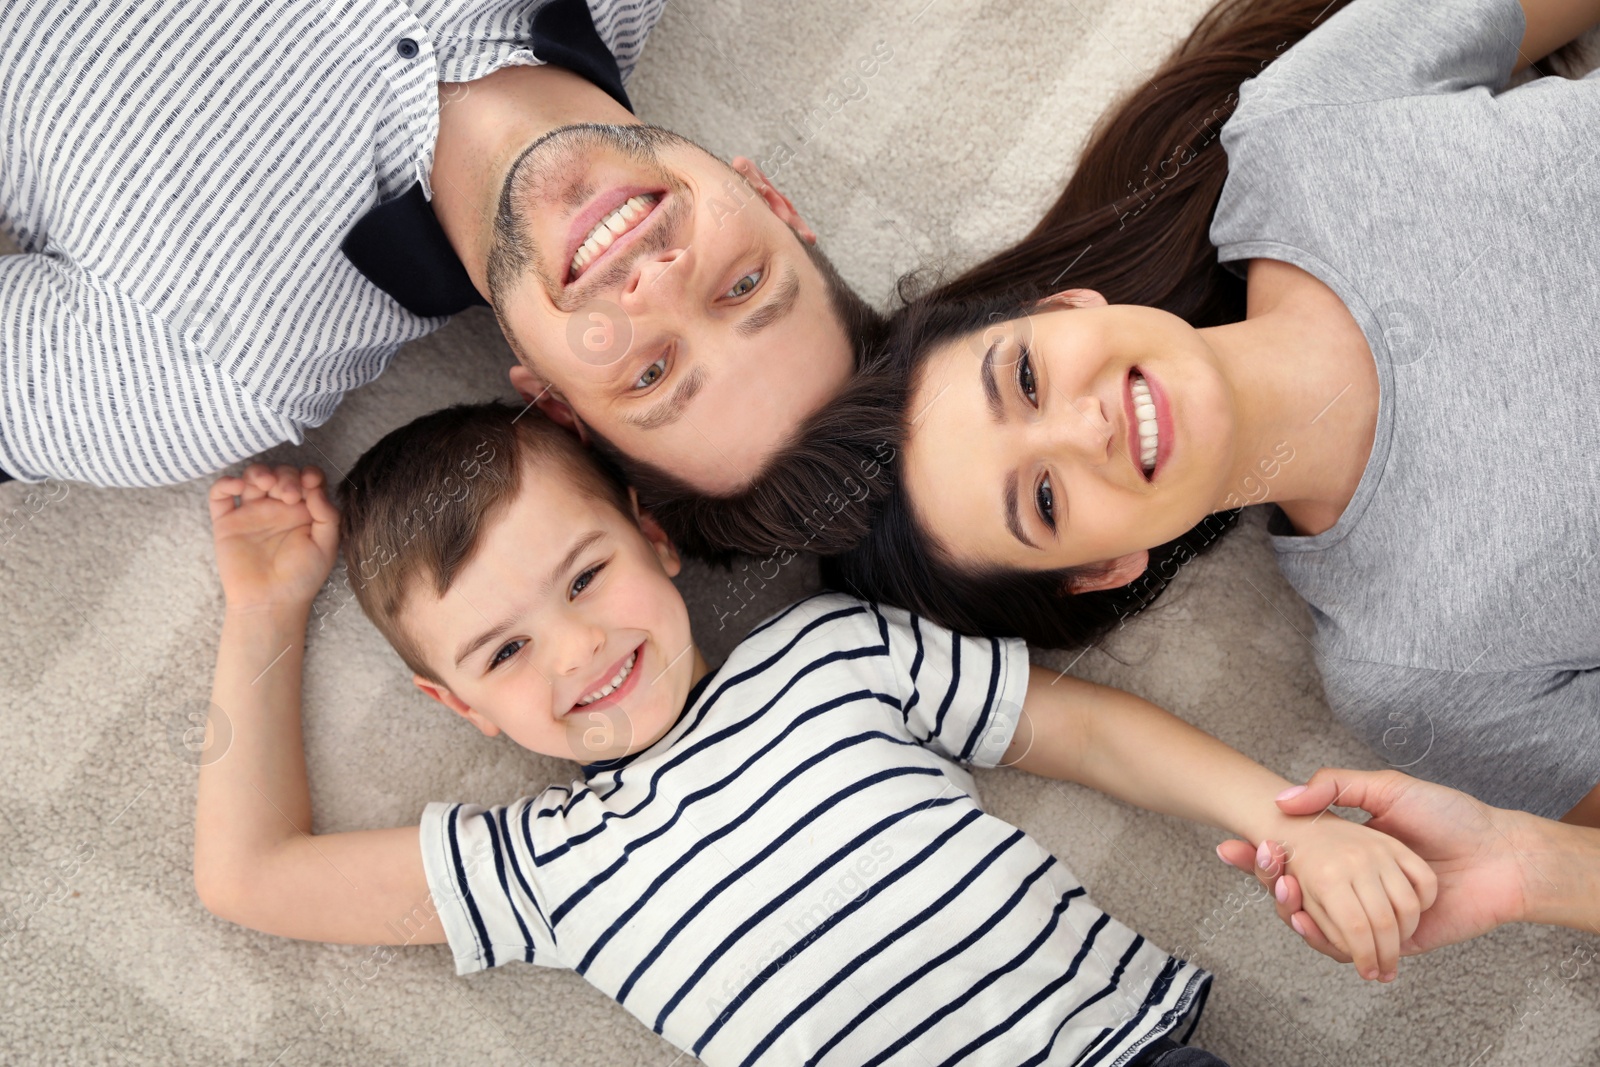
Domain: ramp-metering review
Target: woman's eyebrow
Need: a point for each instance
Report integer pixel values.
(1013, 517)
(991, 389)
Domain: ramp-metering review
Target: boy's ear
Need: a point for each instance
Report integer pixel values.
(1074, 298)
(455, 704)
(1112, 574)
(780, 204)
(548, 399)
(666, 552)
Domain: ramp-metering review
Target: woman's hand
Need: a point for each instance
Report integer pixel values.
(1367, 890)
(277, 545)
(1477, 853)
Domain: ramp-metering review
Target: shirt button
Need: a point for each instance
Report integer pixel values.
(407, 48)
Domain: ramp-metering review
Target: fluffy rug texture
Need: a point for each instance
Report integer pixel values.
(954, 145)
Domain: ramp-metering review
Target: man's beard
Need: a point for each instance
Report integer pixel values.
(551, 173)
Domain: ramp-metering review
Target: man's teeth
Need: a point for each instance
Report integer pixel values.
(610, 228)
(616, 680)
(1144, 409)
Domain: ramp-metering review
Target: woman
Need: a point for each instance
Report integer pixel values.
(1397, 350)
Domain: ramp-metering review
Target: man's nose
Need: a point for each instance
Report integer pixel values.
(658, 280)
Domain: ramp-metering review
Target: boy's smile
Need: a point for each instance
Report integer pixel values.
(563, 629)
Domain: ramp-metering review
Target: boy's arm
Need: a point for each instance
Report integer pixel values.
(1369, 887)
(256, 861)
(1135, 751)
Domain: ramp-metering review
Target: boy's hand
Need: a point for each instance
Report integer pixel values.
(278, 544)
(1365, 890)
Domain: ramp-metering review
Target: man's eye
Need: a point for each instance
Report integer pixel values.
(744, 285)
(652, 374)
(500, 657)
(581, 582)
(1045, 498)
(1025, 377)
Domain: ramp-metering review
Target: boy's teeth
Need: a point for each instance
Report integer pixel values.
(610, 228)
(1144, 410)
(616, 680)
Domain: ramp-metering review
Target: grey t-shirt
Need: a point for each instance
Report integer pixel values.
(1457, 600)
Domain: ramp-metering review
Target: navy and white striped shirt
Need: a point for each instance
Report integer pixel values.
(798, 870)
(179, 175)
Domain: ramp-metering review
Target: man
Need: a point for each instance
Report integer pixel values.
(232, 214)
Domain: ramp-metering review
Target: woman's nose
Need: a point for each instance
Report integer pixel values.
(1083, 429)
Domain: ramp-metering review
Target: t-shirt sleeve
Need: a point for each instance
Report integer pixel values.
(1528, 740)
(483, 880)
(961, 696)
(1378, 49)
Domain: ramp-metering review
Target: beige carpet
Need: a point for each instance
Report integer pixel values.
(111, 609)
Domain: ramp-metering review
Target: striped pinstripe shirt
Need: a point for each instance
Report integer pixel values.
(798, 870)
(179, 174)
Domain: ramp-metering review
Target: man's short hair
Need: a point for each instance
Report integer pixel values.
(415, 506)
(817, 492)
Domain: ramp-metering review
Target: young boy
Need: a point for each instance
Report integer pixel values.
(779, 861)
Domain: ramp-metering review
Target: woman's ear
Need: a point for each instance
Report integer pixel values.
(666, 552)
(456, 704)
(1075, 298)
(1112, 574)
(780, 204)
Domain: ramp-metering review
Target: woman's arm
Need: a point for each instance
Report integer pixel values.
(256, 861)
(1551, 24)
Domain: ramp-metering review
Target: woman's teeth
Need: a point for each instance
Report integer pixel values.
(616, 680)
(1144, 409)
(610, 228)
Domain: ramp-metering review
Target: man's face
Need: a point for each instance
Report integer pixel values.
(667, 303)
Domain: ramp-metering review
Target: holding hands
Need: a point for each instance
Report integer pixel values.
(276, 535)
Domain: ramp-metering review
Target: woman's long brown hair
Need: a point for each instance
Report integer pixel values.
(1133, 222)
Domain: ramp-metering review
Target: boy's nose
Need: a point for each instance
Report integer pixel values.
(578, 649)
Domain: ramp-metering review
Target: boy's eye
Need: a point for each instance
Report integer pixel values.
(1045, 498)
(1025, 376)
(744, 285)
(652, 374)
(501, 657)
(581, 582)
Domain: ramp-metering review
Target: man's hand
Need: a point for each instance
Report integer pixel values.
(1475, 850)
(277, 545)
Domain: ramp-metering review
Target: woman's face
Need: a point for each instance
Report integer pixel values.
(1082, 434)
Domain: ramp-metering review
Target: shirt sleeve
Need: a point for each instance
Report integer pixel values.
(1528, 740)
(95, 388)
(1379, 49)
(962, 696)
(483, 880)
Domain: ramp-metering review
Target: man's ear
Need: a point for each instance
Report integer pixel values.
(780, 204)
(1075, 298)
(548, 400)
(666, 552)
(1112, 574)
(455, 704)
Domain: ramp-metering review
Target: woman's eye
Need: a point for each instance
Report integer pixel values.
(581, 582)
(652, 374)
(1025, 377)
(1045, 497)
(744, 285)
(500, 657)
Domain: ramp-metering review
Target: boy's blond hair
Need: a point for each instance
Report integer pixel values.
(415, 505)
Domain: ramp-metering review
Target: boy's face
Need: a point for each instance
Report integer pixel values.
(564, 630)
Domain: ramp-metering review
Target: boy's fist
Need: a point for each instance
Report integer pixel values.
(276, 545)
